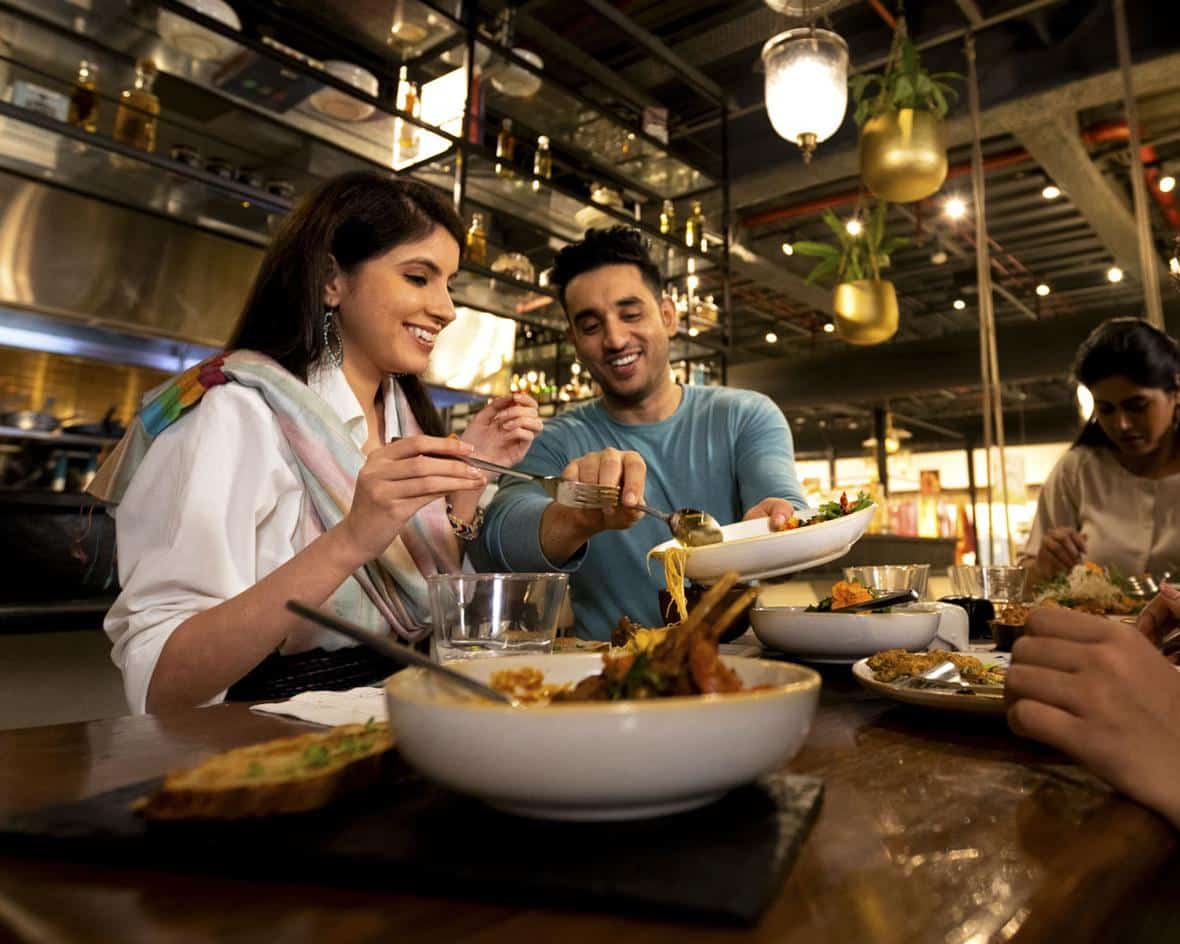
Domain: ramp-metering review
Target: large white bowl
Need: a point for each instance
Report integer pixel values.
(755, 552)
(600, 760)
(843, 637)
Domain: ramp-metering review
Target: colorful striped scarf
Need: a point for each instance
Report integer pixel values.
(388, 593)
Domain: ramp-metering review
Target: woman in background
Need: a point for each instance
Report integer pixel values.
(1114, 498)
(307, 463)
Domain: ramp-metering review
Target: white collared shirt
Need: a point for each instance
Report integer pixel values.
(216, 505)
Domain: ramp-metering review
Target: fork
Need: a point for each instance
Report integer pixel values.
(562, 491)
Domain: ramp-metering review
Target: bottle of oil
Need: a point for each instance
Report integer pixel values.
(84, 98)
(505, 148)
(409, 100)
(135, 121)
(668, 218)
(694, 227)
(542, 162)
(477, 241)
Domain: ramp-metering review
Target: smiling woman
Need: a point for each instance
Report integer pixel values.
(1114, 498)
(306, 463)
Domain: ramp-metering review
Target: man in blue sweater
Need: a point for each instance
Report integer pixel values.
(728, 452)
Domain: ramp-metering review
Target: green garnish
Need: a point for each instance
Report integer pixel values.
(255, 769)
(317, 756)
(639, 676)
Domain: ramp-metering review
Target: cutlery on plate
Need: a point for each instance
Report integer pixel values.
(900, 598)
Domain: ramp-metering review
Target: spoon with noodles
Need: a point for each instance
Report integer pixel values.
(690, 527)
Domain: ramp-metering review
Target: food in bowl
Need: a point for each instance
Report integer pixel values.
(844, 593)
(1088, 588)
(831, 510)
(893, 664)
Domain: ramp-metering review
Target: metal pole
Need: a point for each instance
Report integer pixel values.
(879, 426)
(989, 358)
(1147, 259)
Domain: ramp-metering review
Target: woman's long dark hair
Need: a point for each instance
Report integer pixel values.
(351, 218)
(1124, 347)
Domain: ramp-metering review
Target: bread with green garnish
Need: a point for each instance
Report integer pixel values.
(287, 775)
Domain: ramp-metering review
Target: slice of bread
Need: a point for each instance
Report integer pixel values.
(287, 775)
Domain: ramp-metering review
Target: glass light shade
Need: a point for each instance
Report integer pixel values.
(806, 85)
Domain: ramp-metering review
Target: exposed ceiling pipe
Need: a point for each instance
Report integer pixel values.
(1096, 134)
(885, 15)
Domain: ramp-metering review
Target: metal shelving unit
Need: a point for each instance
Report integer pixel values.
(275, 133)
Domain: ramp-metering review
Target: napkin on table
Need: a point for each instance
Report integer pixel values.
(355, 706)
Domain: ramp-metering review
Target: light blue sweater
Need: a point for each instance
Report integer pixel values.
(722, 451)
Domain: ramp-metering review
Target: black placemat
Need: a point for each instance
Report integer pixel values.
(724, 862)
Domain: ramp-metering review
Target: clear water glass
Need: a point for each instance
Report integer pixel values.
(997, 584)
(890, 578)
(477, 616)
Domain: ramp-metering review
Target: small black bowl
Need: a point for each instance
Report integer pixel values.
(1005, 634)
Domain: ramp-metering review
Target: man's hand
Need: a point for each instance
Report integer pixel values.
(564, 530)
(778, 510)
(1161, 615)
(1101, 692)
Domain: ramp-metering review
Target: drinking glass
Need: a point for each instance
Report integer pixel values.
(481, 615)
(997, 584)
(891, 577)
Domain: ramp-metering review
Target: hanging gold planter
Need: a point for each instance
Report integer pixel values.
(903, 155)
(866, 311)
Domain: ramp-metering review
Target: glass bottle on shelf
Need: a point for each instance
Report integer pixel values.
(409, 100)
(668, 218)
(694, 227)
(505, 148)
(84, 98)
(135, 121)
(477, 241)
(542, 162)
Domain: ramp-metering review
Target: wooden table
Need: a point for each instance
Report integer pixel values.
(934, 828)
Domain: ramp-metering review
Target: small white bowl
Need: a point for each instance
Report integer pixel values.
(511, 80)
(600, 760)
(195, 41)
(339, 105)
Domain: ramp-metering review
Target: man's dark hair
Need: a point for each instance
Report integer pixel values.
(619, 245)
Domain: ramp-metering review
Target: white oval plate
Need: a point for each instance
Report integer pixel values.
(842, 636)
(600, 760)
(756, 552)
(934, 698)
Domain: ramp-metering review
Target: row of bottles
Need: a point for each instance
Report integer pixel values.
(138, 111)
(694, 226)
(506, 154)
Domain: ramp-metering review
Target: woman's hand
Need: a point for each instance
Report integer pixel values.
(1099, 691)
(1161, 615)
(504, 429)
(1061, 549)
(398, 480)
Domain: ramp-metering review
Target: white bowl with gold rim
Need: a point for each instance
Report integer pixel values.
(600, 760)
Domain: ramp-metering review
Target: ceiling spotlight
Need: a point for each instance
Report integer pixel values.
(1114, 274)
(788, 249)
(958, 304)
(939, 258)
(854, 226)
(955, 208)
(829, 328)
(771, 337)
(1167, 183)
(1051, 192)
(1043, 290)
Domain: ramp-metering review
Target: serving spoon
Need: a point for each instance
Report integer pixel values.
(403, 655)
(690, 527)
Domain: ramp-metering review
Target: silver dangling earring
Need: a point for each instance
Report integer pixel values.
(333, 346)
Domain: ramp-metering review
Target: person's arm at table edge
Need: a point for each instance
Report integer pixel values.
(764, 456)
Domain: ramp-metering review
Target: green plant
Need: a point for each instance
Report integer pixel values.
(903, 84)
(855, 257)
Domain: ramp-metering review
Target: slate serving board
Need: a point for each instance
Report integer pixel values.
(722, 863)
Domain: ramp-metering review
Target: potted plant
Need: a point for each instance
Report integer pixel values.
(900, 112)
(865, 305)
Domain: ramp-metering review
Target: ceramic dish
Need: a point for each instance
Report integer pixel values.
(195, 41)
(941, 700)
(600, 760)
(846, 637)
(339, 105)
(756, 552)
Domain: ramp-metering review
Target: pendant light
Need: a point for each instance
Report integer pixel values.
(806, 85)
